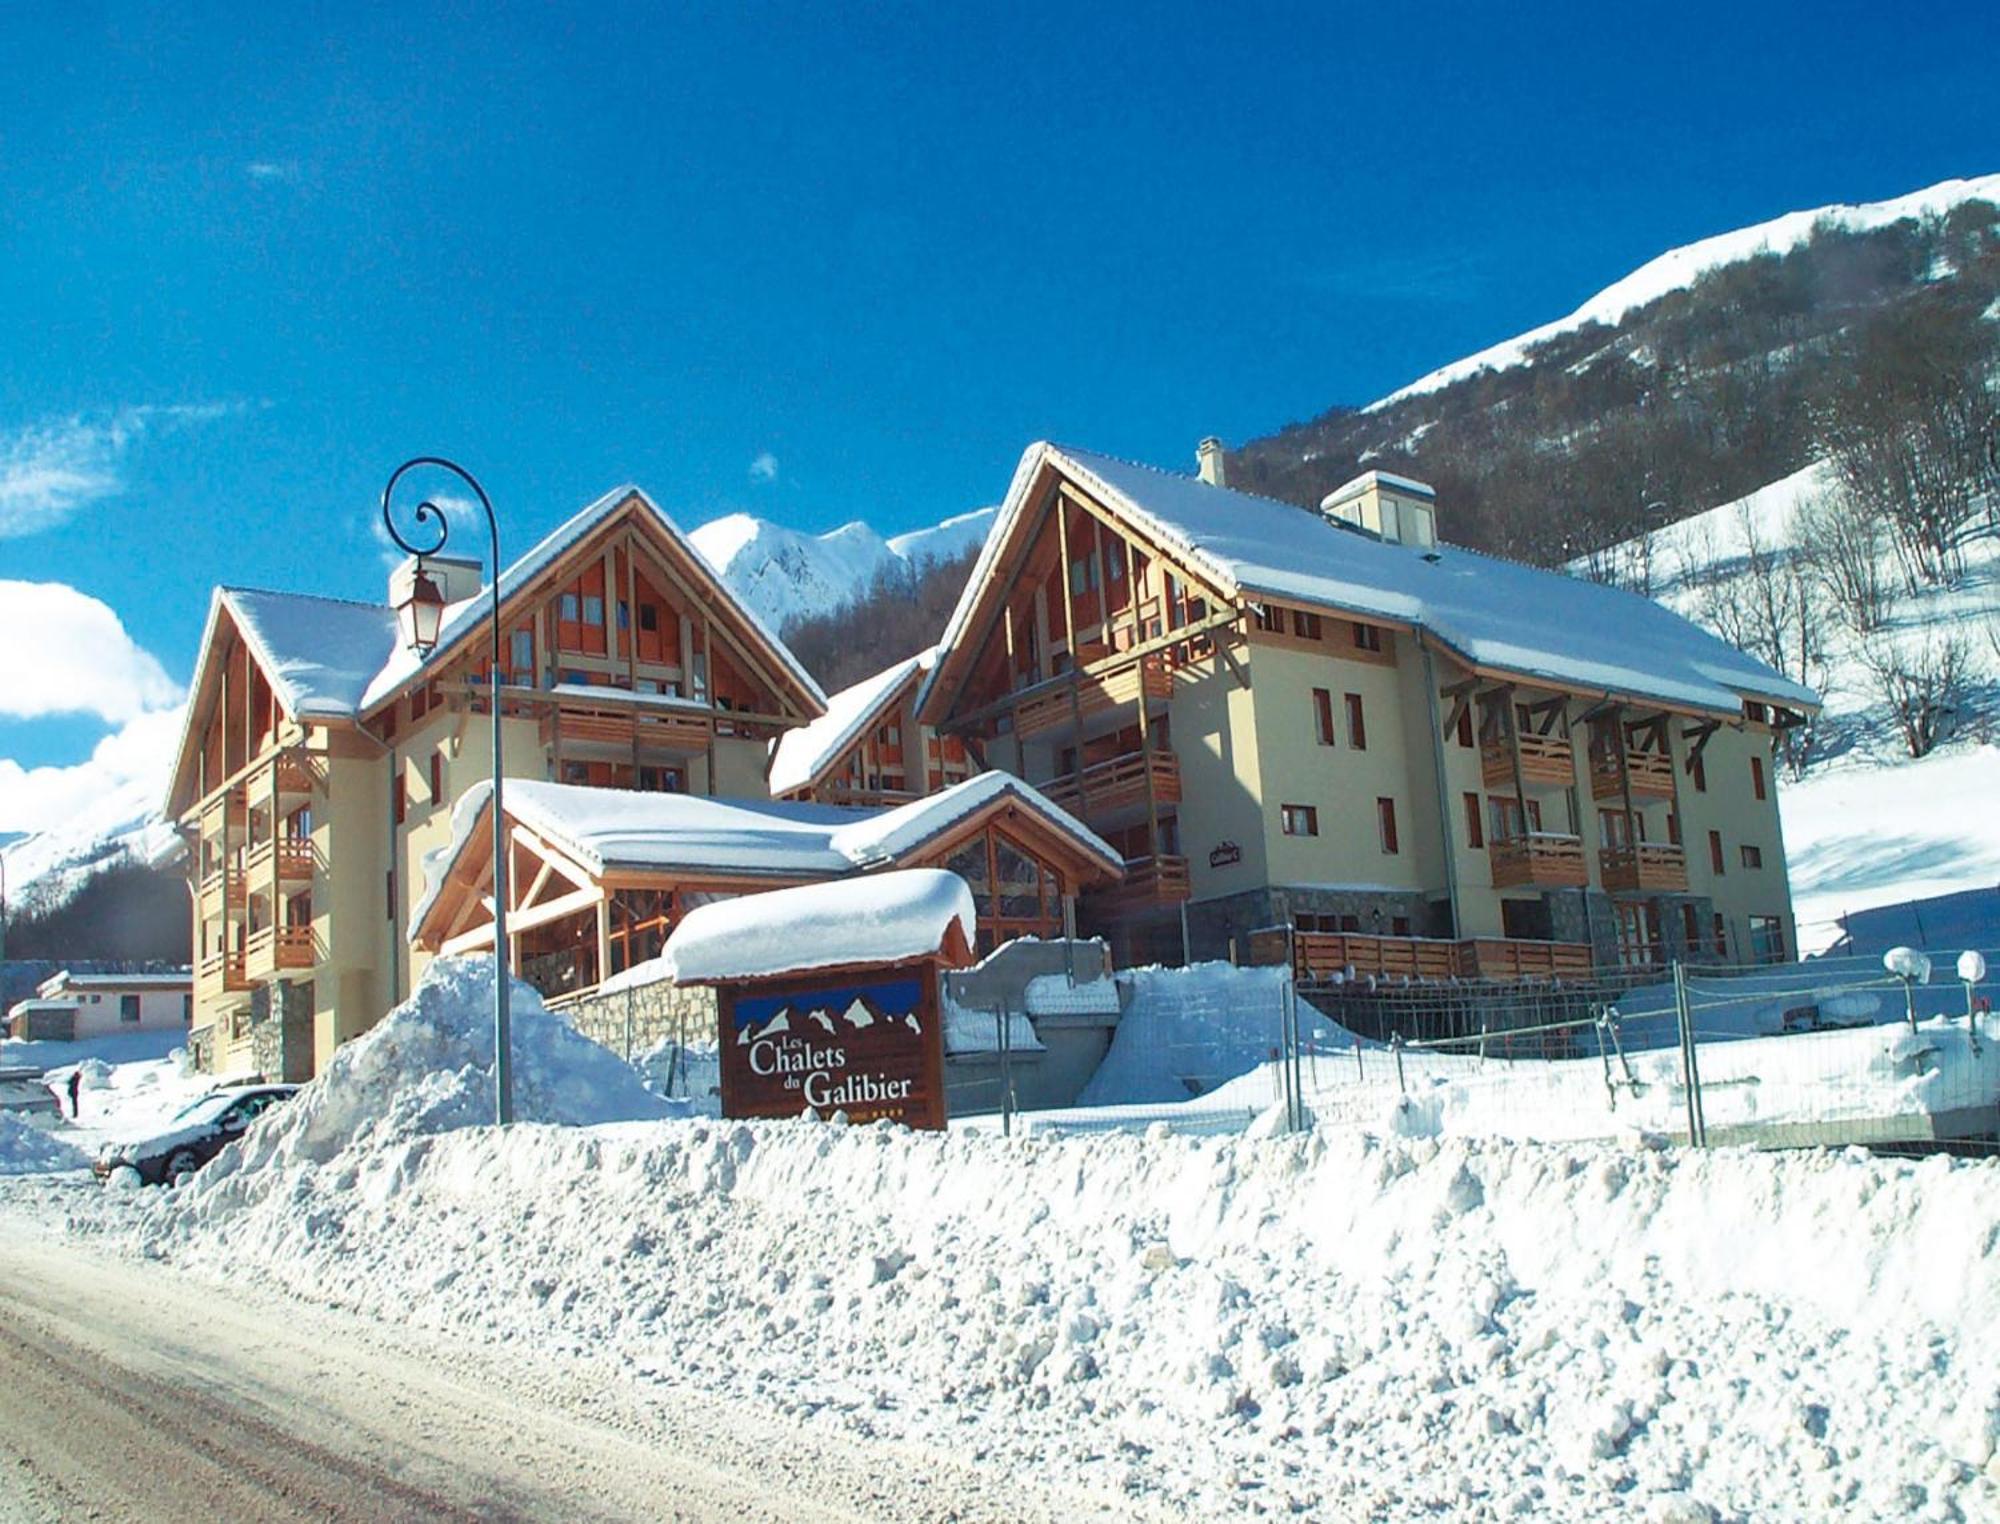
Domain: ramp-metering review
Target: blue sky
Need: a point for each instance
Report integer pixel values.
(247, 262)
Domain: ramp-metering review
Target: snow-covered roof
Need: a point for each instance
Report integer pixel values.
(1367, 479)
(605, 829)
(1492, 613)
(64, 979)
(805, 754)
(321, 653)
(884, 918)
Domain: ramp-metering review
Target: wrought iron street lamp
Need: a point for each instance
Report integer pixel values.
(420, 614)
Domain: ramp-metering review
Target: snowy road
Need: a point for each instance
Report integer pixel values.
(128, 1391)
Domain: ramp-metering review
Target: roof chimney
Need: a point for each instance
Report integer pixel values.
(1209, 462)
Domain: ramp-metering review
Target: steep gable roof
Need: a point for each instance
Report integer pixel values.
(1491, 613)
(804, 756)
(466, 618)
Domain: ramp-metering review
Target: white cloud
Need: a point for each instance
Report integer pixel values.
(764, 468)
(270, 171)
(52, 469)
(64, 652)
(124, 777)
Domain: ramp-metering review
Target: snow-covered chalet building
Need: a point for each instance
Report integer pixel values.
(1424, 760)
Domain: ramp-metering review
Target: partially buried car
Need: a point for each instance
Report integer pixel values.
(197, 1133)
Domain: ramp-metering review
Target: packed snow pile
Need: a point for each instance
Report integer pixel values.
(879, 918)
(1330, 1326)
(26, 1149)
(427, 1068)
(1187, 1031)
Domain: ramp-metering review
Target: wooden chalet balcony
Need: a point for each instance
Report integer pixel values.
(289, 859)
(1117, 787)
(1320, 955)
(1541, 860)
(667, 732)
(220, 973)
(1149, 884)
(1651, 772)
(1648, 868)
(275, 949)
(1100, 695)
(1546, 761)
(292, 773)
(218, 893)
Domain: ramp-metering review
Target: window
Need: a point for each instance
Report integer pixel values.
(1304, 625)
(1503, 814)
(187, 1010)
(1385, 816)
(1715, 852)
(1674, 827)
(624, 615)
(1757, 776)
(399, 798)
(567, 609)
(1082, 575)
(1721, 931)
(1323, 716)
(1270, 619)
(521, 656)
(593, 610)
(1475, 829)
(1299, 819)
(1114, 564)
(649, 618)
(1465, 727)
(1753, 857)
(1357, 723)
(128, 1008)
(1700, 771)
(437, 777)
(1756, 713)
(1367, 637)
(1767, 939)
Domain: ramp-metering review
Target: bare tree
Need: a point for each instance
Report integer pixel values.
(1843, 546)
(1923, 684)
(1906, 430)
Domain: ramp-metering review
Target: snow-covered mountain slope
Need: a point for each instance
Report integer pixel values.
(44, 869)
(787, 575)
(1677, 269)
(1867, 825)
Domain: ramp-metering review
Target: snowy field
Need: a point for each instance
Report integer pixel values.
(1338, 1325)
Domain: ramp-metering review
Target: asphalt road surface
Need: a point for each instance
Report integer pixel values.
(129, 1391)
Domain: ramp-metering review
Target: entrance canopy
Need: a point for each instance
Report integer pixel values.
(599, 877)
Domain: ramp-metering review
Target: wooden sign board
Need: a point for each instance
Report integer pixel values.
(869, 1045)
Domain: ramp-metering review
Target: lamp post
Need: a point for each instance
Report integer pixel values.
(1913, 968)
(1972, 970)
(420, 613)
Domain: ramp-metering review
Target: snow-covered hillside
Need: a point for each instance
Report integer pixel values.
(786, 575)
(1867, 825)
(1678, 268)
(45, 869)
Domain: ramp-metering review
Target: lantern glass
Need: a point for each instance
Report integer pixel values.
(421, 614)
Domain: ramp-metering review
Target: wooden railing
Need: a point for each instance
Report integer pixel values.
(1051, 711)
(292, 855)
(1540, 859)
(1518, 958)
(1149, 883)
(1321, 955)
(221, 971)
(1118, 786)
(1649, 867)
(273, 948)
(1548, 761)
(1651, 772)
(675, 734)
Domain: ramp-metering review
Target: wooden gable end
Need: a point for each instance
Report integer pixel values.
(234, 714)
(1069, 558)
(628, 606)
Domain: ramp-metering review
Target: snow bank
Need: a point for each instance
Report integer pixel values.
(427, 1068)
(27, 1150)
(1329, 1327)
